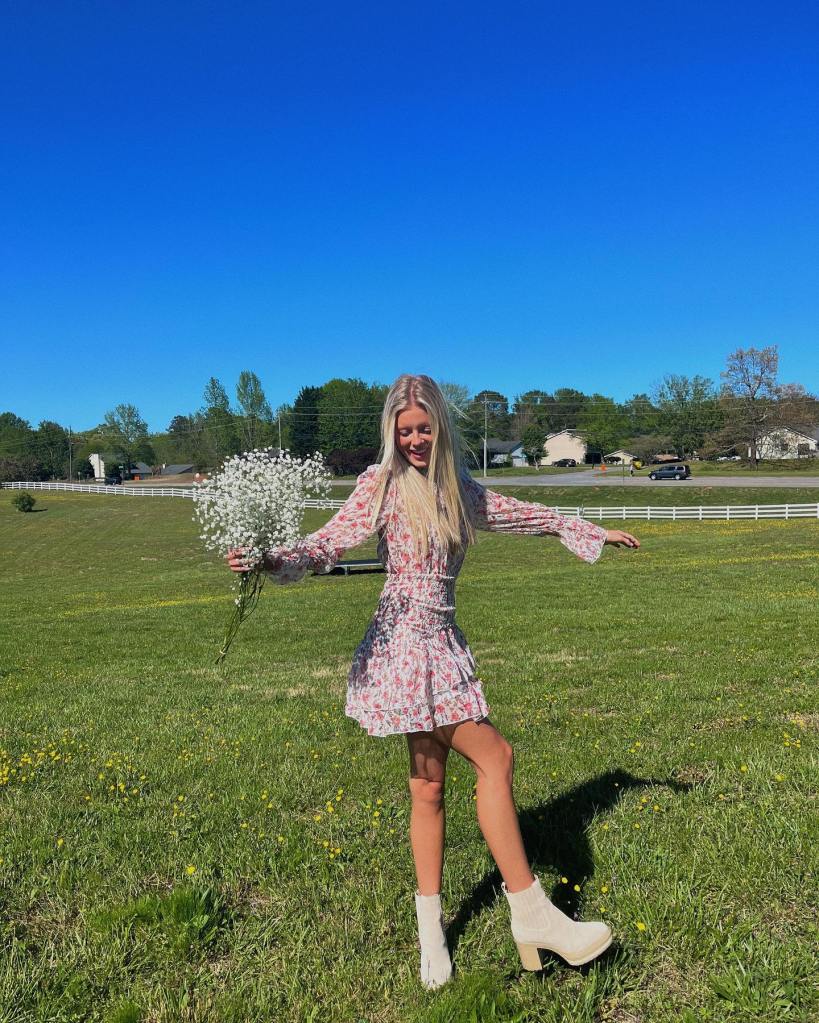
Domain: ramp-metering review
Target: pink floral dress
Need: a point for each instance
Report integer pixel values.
(413, 669)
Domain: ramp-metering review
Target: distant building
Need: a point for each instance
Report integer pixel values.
(565, 444)
(504, 452)
(785, 442)
(620, 457)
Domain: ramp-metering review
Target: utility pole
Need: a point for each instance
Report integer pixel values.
(279, 417)
(484, 435)
(69, 455)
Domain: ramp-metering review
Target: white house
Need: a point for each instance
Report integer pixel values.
(565, 444)
(783, 442)
(505, 452)
(620, 457)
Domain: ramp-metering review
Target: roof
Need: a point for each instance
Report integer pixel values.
(572, 433)
(811, 432)
(501, 446)
(176, 470)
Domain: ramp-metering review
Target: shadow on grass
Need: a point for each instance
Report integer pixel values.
(555, 837)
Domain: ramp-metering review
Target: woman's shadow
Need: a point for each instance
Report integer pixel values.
(555, 837)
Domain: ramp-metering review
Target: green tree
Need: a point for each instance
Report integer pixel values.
(566, 406)
(603, 423)
(219, 436)
(531, 408)
(487, 414)
(255, 410)
(641, 415)
(533, 439)
(51, 445)
(348, 416)
(126, 435)
(304, 438)
(689, 409)
(16, 437)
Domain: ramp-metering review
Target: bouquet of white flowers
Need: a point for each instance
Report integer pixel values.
(255, 502)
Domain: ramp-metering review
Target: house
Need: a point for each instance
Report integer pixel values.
(620, 457)
(107, 464)
(505, 452)
(176, 470)
(565, 444)
(784, 442)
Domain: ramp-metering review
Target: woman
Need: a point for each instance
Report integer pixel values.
(413, 672)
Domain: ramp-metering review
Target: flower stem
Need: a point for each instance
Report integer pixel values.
(250, 586)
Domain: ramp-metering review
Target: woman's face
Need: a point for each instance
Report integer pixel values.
(413, 435)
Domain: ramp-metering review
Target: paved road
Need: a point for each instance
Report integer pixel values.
(613, 478)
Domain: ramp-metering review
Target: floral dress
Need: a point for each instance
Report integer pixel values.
(414, 669)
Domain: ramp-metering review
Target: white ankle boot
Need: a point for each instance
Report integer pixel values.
(538, 923)
(436, 966)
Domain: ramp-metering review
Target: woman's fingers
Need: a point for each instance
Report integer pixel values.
(619, 536)
(236, 560)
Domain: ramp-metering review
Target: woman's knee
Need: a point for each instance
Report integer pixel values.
(427, 793)
(499, 766)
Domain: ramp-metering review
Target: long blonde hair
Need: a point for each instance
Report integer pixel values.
(450, 513)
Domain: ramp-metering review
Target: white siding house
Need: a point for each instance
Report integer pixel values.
(566, 444)
(787, 443)
(621, 457)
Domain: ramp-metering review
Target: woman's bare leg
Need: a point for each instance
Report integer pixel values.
(428, 819)
(493, 760)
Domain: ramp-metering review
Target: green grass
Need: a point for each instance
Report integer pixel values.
(686, 492)
(161, 856)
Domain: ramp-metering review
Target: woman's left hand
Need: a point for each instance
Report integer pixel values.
(620, 538)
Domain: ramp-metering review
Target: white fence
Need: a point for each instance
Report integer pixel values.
(652, 512)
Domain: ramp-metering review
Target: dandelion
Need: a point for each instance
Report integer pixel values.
(190, 869)
(640, 925)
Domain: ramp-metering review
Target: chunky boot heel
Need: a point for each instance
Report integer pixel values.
(529, 956)
(537, 923)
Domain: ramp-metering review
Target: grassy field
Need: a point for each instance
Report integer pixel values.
(181, 844)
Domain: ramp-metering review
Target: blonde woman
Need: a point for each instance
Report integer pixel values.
(413, 672)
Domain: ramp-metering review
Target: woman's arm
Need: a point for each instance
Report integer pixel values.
(501, 514)
(320, 551)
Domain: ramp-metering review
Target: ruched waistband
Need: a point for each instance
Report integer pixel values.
(423, 602)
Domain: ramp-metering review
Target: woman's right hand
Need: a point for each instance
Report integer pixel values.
(238, 560)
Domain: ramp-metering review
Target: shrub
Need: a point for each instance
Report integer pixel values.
(23, 501)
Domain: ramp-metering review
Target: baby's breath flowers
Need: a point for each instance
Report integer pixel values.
(255, 502)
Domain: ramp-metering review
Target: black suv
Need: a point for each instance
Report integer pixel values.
(670, 472)
(565, 462)
(113, 481)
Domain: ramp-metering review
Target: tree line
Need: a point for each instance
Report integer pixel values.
(341, 418)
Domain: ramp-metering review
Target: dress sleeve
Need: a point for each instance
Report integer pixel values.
(319, 551)
(501, 514)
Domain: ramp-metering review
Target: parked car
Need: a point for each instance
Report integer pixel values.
(670, 472)
(565, 461)
(113, 480)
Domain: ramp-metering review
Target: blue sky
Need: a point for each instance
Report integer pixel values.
(505, 195)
